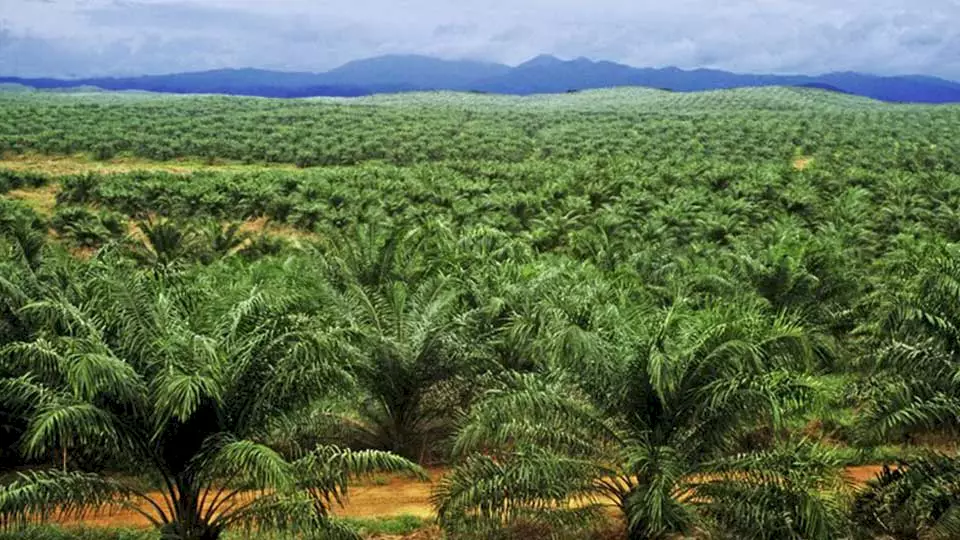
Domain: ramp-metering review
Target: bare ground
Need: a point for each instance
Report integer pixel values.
(392, 496)
(802, 162)
(78, 164)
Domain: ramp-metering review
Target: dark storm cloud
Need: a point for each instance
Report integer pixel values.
(61, 37)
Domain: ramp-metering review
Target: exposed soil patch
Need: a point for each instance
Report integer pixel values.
(862, 474)
(802, 162)
(78, 164)
(264, 225)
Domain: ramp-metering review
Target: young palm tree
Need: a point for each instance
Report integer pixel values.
(651, 427)
(413, 358)
(374, 258)
(190, 393)
(221, 240)
(164, 243)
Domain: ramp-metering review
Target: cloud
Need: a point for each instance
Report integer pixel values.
(95, 37)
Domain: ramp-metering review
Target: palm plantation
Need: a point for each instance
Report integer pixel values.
(626, 313)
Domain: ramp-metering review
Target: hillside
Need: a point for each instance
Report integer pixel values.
(543, 74)
(334, 131)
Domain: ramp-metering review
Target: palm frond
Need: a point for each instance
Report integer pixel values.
(514, 414)
(291, 514)
(919, 498)
(325, 473)
(482, 489)
(794, 491)
(177, 395)
(249, 464)
(38, 496)
(62, 422)
(94, 374)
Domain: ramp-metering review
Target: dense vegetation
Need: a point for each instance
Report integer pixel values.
(685, 313)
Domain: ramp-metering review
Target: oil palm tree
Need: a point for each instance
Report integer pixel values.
(372, 257)
(413, 364)
(917, 500)
(146, 370)
(651, 427)
(221, 240)
(914, 385)
(25, 232)
(163, 243)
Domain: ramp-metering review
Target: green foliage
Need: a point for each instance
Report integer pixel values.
(442, 127)
(144, 369)
(57, 533)
(23, 231)
(677, 304)
(87, 228)
(647, 427)
(918, 500)
(10, 180)
(915, 386)
(400, 525)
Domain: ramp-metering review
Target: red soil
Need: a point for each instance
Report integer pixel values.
(396, 497)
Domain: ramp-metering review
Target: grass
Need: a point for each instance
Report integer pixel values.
(802, 162)
(381, 481)
(42, 200)
(394, 526)
(50, 532)
(371, 527)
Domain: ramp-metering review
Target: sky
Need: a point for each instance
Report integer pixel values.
(79, 38)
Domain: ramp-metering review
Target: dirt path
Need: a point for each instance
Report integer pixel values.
(397, 496)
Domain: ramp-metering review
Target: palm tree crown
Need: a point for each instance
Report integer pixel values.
(151, 371)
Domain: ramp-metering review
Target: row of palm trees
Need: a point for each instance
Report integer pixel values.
(741, 126)
(555, 391)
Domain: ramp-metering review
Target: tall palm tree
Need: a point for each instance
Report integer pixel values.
(651, 426)
(146, 370)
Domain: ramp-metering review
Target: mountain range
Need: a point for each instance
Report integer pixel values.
(543, 74)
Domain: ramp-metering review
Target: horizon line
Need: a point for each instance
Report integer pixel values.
(478, 61)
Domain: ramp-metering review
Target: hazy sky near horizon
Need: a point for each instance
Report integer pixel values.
(122, 37)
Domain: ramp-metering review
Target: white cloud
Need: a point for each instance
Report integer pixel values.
(59, 37)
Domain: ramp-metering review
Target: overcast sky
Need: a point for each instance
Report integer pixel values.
(111, 37)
